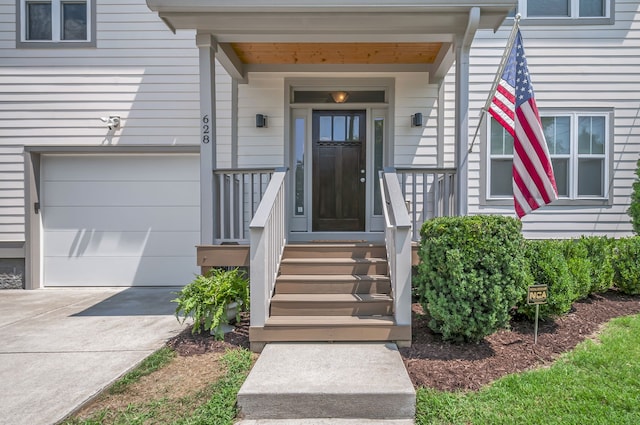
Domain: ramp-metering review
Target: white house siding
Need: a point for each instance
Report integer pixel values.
(571, 67)
(138, 70)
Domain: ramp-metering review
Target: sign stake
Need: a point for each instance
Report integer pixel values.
(537, 295)
(535, 334)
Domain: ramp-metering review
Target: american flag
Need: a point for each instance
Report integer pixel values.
(514, 107)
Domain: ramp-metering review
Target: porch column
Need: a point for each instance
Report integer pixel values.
(207, 48)
(463, 47)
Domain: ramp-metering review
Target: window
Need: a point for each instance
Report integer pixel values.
(578, 144)
(46, 23)
(566, 11)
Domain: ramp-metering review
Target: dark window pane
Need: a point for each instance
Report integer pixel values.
(74, 21)
(299, 137)
(378, 140)
(561, 173)
(591, 135)
(326, 129)
(501, 177)
(339, 128)
(557, 132)
(590, 172)
(38, 21)
(541, 8)
(592, 8)
(501, 141)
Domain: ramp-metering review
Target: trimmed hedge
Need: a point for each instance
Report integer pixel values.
(634, 208)
(548, 266)
(471, 274)
(625, 260)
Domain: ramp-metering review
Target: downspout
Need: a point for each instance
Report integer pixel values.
(463, 49)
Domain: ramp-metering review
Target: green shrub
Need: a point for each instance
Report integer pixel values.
(599, 253)
(472, 272)
(548, 266)
(580, 267)
(206, 299)
(626, 265)
(634, 208)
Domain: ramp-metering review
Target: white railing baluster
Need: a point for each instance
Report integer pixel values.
(437, 193)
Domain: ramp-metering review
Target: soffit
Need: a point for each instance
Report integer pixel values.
(336, 53)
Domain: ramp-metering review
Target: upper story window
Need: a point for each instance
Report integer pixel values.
(563, 12)
(56, 23)
(580, 148)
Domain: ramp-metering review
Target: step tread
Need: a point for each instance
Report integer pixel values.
(331, 298)
(337, 321)
(332, 260)
(333, 278)
(336, 245)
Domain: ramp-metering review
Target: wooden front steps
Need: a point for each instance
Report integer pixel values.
(332, 292)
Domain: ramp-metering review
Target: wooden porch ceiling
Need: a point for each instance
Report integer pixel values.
(336, 53)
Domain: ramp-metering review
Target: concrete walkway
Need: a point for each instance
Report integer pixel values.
(61, 347)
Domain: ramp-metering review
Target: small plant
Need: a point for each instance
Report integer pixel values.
(207, 297)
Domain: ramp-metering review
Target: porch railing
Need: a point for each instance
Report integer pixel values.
(240, 192)
(268, 233)
(398, 244)
(428, 193)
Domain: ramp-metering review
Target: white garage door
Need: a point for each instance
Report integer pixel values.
(119, 220)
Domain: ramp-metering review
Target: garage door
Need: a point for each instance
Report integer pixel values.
(119, 220)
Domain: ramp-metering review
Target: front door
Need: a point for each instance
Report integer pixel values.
(339, 170)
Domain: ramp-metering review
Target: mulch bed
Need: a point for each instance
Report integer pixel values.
(434, 363)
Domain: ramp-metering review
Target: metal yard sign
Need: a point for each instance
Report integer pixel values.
(537, 295)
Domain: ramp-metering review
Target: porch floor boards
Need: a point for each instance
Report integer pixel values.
(332, 292)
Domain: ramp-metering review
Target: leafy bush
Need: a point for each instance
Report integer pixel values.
(472, 272)
(599, 253)
(548, 267)
(207, 296)
(626, 267)
(634, 208)
(579, 265)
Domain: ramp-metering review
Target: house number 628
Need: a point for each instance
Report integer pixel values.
(205, 129)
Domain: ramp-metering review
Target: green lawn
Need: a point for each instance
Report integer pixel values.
(597, 383)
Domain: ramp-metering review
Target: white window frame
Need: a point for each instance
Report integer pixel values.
(574, 156)
(572, 19)
(56, 25)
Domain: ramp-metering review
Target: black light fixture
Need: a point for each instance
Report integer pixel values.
(261, 121)
(416, 119)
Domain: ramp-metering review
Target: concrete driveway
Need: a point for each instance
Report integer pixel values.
(61, 347)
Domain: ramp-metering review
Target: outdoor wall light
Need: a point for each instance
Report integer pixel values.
(339, 96)
(261, 121)
(416, 120)
(113, 121)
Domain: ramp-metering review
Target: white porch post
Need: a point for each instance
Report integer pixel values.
(463, 47)
(207, 48)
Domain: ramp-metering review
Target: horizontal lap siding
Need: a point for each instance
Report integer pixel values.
(138, 70)
(571, 67)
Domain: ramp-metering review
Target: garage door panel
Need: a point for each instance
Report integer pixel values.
(120, 220)
(123, 219)
(129, 193)
(120, 271)
(116, 244)
(121, 168)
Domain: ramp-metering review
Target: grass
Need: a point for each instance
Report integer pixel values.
(149, 365)
(216, 404)
(597, 383)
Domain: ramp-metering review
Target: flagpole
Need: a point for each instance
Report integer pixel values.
(496, 80)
